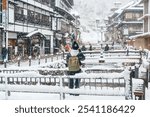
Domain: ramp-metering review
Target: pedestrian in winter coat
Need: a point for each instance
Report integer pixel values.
(106, 47)
(73, 59)
(83, 48)
(4, 52)
(90, 47)
(67, 47)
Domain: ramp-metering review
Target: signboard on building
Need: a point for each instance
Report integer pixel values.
(125, 31)
(4, 13)
(4, 4)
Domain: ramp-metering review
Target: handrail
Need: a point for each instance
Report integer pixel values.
(59, 85)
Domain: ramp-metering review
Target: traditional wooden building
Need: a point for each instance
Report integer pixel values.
(143, 40)
(34, 26)
(68, 24)
(125, 22)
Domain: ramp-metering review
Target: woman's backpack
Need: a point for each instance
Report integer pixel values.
(73, 64)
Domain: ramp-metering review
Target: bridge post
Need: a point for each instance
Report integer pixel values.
(144, 91)
(29, 60)
(130, 88)
(57, 56)
(6, 87)
(62, 94)
(136, 71)
(128, 85)
(5, 63)
(18, 61)
(45, 58)
(127, 52)
(63, 54)
(51, 57)
(39, 61)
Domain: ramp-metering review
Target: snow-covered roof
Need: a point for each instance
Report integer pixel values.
(119, 11)
(132, 22)
(138, 2)
(140, 35)
(74, 12)
(34, 32)
(135, 8)
(141, 1)
(130, 6)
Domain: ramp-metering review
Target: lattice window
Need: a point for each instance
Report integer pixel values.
(30, 17)
(19, 14)
(45, 20)
(37, 18)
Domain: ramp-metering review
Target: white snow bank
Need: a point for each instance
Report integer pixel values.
(145, 64)
(98, 75)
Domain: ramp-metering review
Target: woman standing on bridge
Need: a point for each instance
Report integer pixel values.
(74, 58)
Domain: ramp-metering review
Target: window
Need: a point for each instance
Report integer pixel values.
(37, 18)
(132, 16)
(128, 16)
(30, 16)
(45, 20)
(19, 14)
(47, 46)
(44, 2)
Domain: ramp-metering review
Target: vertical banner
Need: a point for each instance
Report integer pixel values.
(5, 21)
(4, 4)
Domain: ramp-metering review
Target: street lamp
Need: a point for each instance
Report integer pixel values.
(97, 26)
(125, 32)
(102, 28)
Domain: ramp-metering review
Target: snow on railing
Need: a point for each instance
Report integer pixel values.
(138, 87)
(60, 71)
(100, 84)
(110, 53)
(92, 78)
(36, 61)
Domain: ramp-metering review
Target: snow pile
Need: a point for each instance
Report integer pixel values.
(137, 84)
(145, 64)
(98, 75)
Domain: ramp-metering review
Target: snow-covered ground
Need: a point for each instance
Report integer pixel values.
(46, 96)
(54, 96)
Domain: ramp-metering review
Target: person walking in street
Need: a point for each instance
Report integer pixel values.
(67, 48)
(90, 48)
(4, 53)
(106, 47)
(83, 48)
(73, 59)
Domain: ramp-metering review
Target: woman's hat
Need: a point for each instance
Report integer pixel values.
(75, 46)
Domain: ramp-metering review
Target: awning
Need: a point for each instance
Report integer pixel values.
(34, 33)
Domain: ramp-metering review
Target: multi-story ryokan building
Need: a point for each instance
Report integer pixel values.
(143, 40)
(124, 22)
(28, 26)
